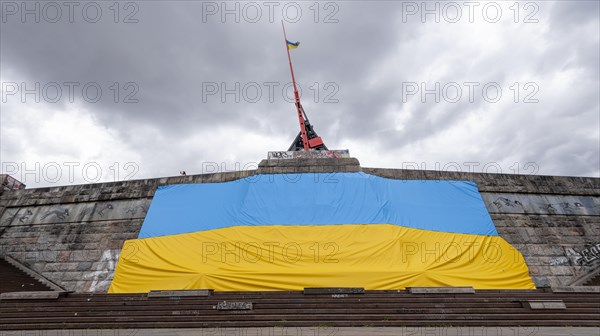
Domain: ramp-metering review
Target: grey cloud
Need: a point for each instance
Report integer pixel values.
(170, 53)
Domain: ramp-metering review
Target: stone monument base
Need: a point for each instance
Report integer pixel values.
(313, 154)
(323, 161)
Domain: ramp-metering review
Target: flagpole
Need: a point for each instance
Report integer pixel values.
(296, 95)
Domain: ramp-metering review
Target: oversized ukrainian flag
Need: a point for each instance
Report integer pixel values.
(292, 45)
(288, 232)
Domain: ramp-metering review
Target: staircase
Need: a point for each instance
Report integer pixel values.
(15, 280)
(595, 281)
(297, 309)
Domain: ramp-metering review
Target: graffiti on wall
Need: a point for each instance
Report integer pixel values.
(330, 154)
(75, 213)
(135, 209)
(101, 276)
(503, 202)
(58, 212)
(12, 215)
(565, 207)
(541, 204)
(584, 256)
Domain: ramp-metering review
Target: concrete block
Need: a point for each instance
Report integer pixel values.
(561, 270)
(333, 290)
(544, 250)
(179, 293)
(72, 276)
(31, 295)
(233, 306)
(541, 281)
(544, 304)
(534, 270)
(576, 289)
(559, 280)
(545, 270)
(84, 266)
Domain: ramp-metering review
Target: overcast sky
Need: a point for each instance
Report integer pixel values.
(495, 86)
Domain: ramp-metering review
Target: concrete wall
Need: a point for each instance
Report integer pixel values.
(73, 234)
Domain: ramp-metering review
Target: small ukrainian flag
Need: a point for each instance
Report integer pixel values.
(291, 45)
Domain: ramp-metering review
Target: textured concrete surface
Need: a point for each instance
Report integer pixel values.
(314, 165)
(73, 235)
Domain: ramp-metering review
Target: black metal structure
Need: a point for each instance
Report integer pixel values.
(297, 144)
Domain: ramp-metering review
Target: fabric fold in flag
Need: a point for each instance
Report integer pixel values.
(375, 256)
(292, 45)
(318, 199)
